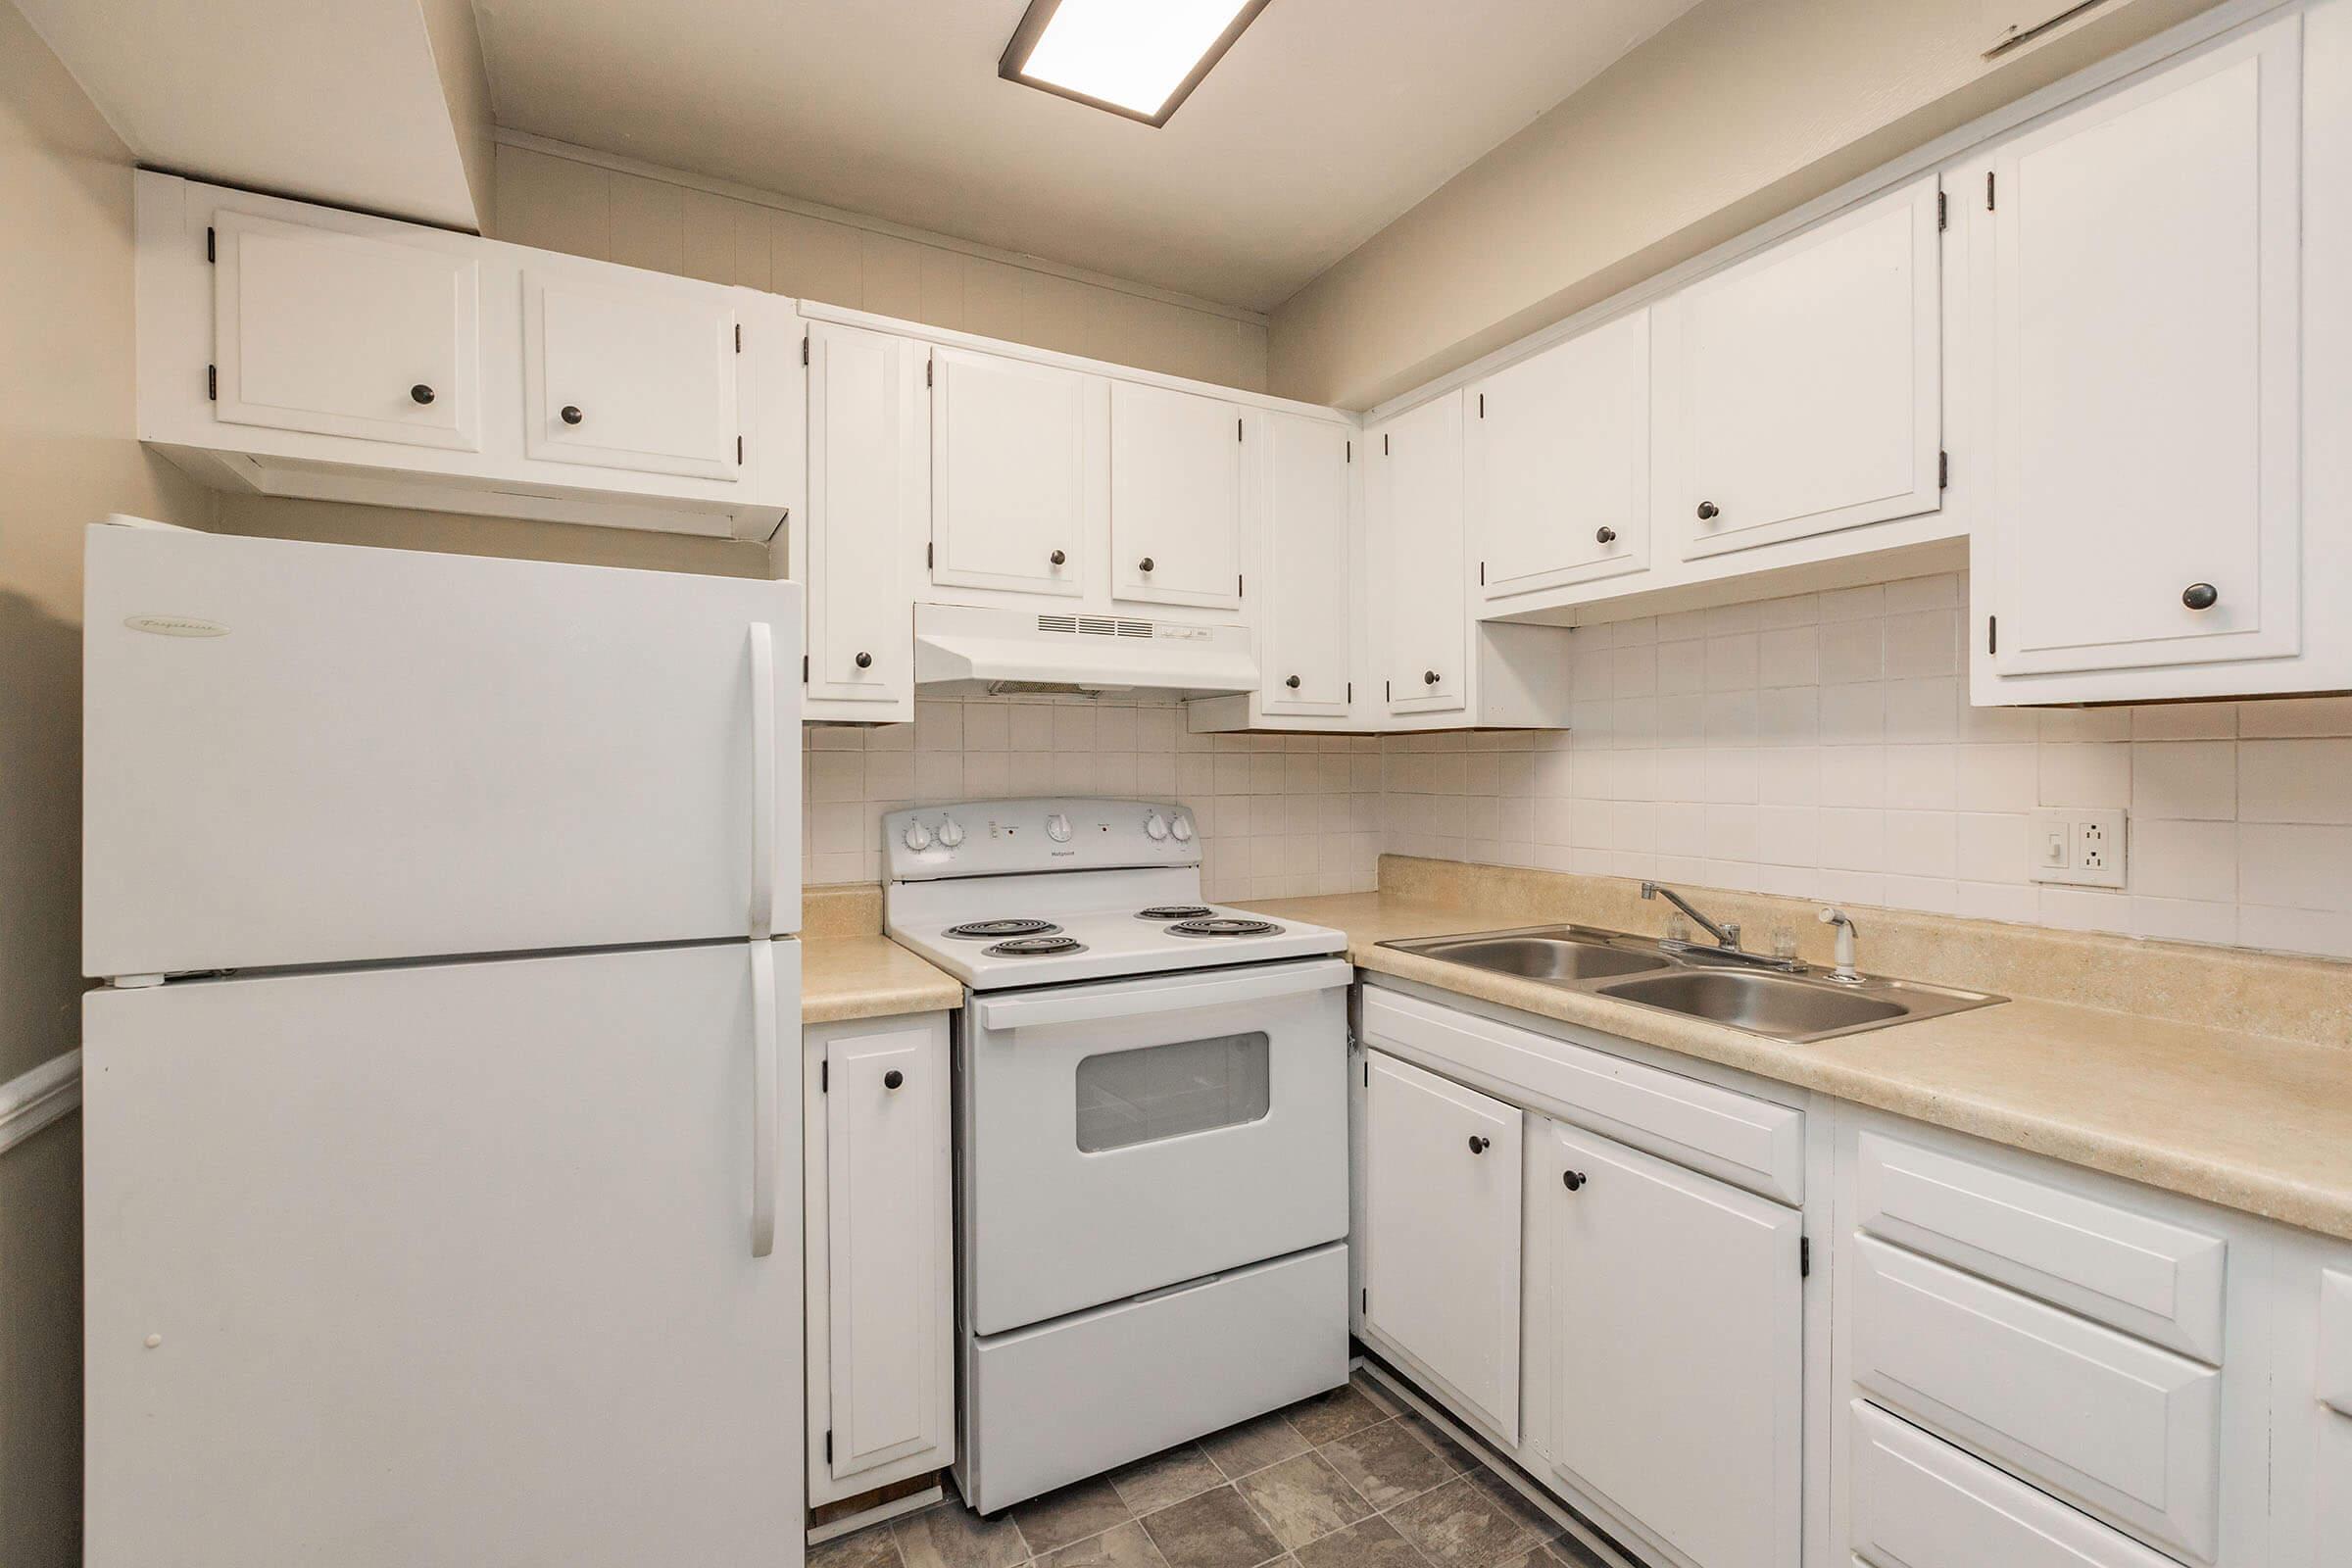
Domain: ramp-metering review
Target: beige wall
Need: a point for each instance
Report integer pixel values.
(457, 43)
(675, 226)
(67, 453)
(1735, 112)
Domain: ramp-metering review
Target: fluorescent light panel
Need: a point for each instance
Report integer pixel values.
(1138, 58)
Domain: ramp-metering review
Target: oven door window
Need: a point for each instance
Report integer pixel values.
(1127, 1098)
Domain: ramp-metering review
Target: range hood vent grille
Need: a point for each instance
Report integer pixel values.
(1094, 626)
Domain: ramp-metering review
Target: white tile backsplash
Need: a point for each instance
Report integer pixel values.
(1822, 745)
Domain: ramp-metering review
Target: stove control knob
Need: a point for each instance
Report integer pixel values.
(1182, 827)
(1057, 828)
(918, 837)
(1155, 826)
(951, 833)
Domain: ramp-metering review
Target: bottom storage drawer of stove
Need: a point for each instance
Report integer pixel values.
(1063, 1401)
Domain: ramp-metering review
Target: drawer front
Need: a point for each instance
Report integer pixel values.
(2130, 1431)
(1747, 1141)
(2146, 1276)
(1918, 1502)
(1055, 1403)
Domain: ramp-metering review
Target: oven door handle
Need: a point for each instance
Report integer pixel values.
(1172, 994)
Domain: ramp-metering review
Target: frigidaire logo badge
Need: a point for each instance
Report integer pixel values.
(174, 627)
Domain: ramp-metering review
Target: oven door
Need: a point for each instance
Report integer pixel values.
(1123, 1137)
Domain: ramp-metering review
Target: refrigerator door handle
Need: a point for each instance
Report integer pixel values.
(764, 1120)
(764, 780)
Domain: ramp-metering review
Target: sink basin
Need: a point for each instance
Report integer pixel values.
(1761, 1004)
(1542, 957)
(1737, 990)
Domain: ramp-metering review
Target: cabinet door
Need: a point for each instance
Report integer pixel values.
(1558, 462)
(638, 375)
(1303, 609)
(1801, 389)
(1440, 1238)
(1176, 497)
(342, 335)
(868, 463)
(1418, 482)
(1676, 1339)
(1008, 481)
(888, 1245)
(2135, 290)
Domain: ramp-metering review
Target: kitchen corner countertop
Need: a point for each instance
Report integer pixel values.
(868, 976)
(2246, 1121)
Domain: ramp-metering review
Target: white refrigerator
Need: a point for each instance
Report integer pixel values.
(441, 1106)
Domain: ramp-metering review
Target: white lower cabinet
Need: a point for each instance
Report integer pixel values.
(1675, 1340)
(880, 1249)
(1440, 1237)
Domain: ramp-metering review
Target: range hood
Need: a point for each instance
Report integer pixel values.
(964, 651)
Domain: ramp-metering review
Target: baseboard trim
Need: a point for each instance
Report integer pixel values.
(32, 1100)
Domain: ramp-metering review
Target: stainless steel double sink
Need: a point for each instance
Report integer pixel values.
(1698, 982)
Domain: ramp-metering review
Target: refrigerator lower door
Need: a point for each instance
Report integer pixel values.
(447, 1264)
(307, 755)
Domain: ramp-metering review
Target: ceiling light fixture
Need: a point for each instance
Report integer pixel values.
(1137, 58)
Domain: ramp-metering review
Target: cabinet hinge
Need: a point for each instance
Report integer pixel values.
(803, 348)
(1988, 203)
(1352, 698)
(1237, 429)
(1236, 585)
(804, 670)
(930, 550)
(1364, 1303)
(1351, 451)
(1804, 1257)
(1388, 691)
(828, 1444)
(211, 383)
(1992, 634)
(824, 1085)
(1944, 470)
(1943, 214)
(1383, 444)
(926, 372)
(739, 337)
(739, 451)
(1482, 566)
(1482, 405)
(1367, 1072)
(211, 254)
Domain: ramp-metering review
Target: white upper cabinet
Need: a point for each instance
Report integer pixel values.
(1177, 496)
(1674, 1333)
(869, 464)
(1800, 390)
(631, 373)
(1304, 606)
(346, 334)
(2138, 277)
(1415, 495)
(1440, 1232)
(1011, 503)
(1558, 462)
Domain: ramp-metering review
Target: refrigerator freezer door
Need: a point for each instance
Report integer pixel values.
(444, 1264)
(301, 753)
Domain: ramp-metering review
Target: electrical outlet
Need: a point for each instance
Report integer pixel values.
(2080, 845)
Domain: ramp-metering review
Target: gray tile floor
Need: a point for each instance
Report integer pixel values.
(1349, 1479)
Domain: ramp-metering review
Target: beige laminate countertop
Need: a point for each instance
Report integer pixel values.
(868, 976)
(2248, 1121)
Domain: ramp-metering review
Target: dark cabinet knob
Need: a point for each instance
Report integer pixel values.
(1292, 683)
(1708, 511)
(572, 414)
(892, 1078)
(1057, 557)
(421, 393)
(1143, 565)
(1478, 1144)
(865, 661)
(1429, 677)
(2200, 596)
(1572, 1179)
(1607, 536)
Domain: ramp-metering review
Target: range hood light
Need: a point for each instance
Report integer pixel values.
(1136, 60)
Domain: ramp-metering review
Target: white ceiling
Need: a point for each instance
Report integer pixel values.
(1327, 120)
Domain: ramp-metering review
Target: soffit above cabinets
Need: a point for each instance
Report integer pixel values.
(340, 104)
(1326, 120)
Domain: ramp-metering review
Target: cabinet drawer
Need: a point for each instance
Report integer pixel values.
(1748, 1142)
(2128, 1430)
(2146, 1276)
(1918, 1502)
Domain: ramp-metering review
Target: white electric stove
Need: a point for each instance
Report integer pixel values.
(1151, 1129)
